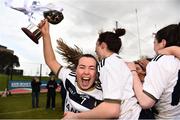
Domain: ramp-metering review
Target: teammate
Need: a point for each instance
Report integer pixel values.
(36, 87)
(141, 71)
(116, 80)
(82, 93)
(51, 93)
(162, 81)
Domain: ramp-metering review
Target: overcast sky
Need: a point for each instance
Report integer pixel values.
(83, 19)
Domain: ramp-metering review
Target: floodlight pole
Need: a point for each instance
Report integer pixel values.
(40, 72)
(116, 24)
(139, 42)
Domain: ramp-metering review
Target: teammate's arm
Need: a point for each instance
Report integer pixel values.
(172, 50)
(103, 110)
(145, 100)
(49, 55)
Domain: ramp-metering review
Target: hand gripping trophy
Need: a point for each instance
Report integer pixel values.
(50, 12)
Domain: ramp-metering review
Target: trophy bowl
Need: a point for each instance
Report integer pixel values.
(53, 16)
(33, 32)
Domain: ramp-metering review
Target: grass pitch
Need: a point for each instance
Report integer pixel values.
(19, 107)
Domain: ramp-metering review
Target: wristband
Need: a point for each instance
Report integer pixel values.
(133, 71)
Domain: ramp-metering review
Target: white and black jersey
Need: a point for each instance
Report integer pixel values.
(117, 84)
(162, 83)
(78, 100)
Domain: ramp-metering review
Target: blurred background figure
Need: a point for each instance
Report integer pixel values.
(35, 85)
(51, 94)
(5, 93)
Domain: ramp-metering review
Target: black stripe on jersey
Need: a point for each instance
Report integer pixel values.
(118, 57)
(176, 92)
(98, 68)
(72, 74)
(102, 62)
(98, 84)
(82, 99)
(156, 58)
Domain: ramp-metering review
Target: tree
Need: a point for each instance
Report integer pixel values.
(8, 61)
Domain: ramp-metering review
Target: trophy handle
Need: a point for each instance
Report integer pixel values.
(34, 35)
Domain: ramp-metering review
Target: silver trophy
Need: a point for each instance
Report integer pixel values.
(35, 13)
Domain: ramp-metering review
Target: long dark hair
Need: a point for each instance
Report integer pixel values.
(112, 39)
(171, 34)
(72, 55)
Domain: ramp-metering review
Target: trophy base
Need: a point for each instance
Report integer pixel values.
(30, 35)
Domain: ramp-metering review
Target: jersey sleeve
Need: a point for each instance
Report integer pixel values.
(158, 75)
(63, 73)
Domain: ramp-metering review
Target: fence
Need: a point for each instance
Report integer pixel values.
(24, 86)
(34, 69)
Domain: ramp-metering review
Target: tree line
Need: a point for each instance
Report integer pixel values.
(8, 61)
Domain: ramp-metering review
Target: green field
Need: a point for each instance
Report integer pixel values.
(19, 107)
(3, 81)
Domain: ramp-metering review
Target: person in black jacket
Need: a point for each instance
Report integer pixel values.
(51, 94)
(35, 85)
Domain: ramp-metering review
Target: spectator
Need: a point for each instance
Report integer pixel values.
(5, 93)
(35, 85)
(51, 93)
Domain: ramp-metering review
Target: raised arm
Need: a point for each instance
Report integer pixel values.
(173, 50)
(49, 55)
